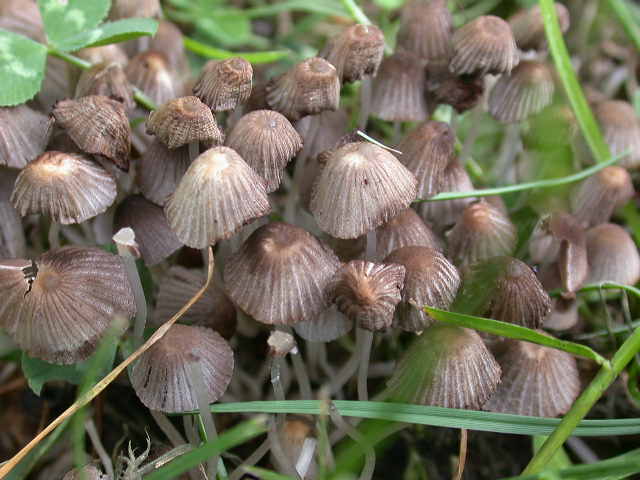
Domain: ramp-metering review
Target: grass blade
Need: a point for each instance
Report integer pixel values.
(625, 16)
(217, 53)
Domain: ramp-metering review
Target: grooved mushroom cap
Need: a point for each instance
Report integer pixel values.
(104, 54)
(356, 52)
(67, 187)
(482, 231)
(160, 170)
(280, 275)
(368, 292)
(446, 366)
(182, 121)
(151, 73)
(224, 84)
(310, 87)
(444, 214)
(563, 315)
(621, 129)
(121, 9)
(163, 376)
(536, 380)
(397, 91)
(484, 45)
(524, 92)
(528, 26)
(24, 134)
(266, 140)
(109, 80)
(88, 472)
(426, 29)
(426, 152)
(429, 280)
(22, 17)
(76, 294)
(97, 125)
(596, 198)
(404, 230)
(218, 195)
(213, 309)
(361, 187)
(506, 289)
(613, 255)
(152, 232)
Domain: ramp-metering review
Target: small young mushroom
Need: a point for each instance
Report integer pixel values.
(151, 73)
(528, 26)
(621, 128)
(24, 134)
(109, 80)
(405, 230)
(224, 84)
(613, 255)
(426, 29)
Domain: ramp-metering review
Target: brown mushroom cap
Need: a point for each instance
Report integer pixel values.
(97, 125)
(76, 294)
(162, 378)
(613, 255)
(106, 79)
(224, 84)
(24, 134)
(446, 366)
(182, 121)
(405, 230)
(160, 171)
(484, 45)
(121, 9)
(280, 275)
(426, 29)
(536, 380)
(621, 129)
(218, 195)
(67, 187)
(151, 73)
(528, 26)
(361, 187)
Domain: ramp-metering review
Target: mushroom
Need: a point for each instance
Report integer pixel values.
(24, 134)
(224, 84)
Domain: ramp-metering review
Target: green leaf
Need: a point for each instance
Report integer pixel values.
(218, 54)
(437, 417)
(110, 32)
(22, 65)
(228, 27)
(39, 372)
(517, 332)
(65, 19)
(389, 4)
(229, 439)
(265, 474)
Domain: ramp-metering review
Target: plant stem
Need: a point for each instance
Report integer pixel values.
(625, 16)
(585, 401)
(355, 11)
(138, 95)
(560, 55)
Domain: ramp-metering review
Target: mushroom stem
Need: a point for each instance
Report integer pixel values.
(508, 151)
(251, 460)
(194, 150)
(364, 338)
(365, 98)
(90, 427)
(54, 235)
(300, 370)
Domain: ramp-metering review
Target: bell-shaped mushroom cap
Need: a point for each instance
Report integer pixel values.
(612, 255)
(442, 215)
(330, 325)
(528, 26)
(621, 128)
(104, 54)
(97, 125)
(361, 187)
(310, 87)
(563, 314)
(482, 231)
(429, 280)
(12, 241)
(596, 198)
(426, 29)
(266, 140)
(397, 92)
(170, 41)
(76, 294)
(280, 275)
(153, 234)
(88, 472)
(426, 152)
(506, 289)
(24, 134)
(356, 52)
(213, 309)
(524, 92)
(536, 380)
(182, 121)
(162, 378)
(368, 292)
(67, 187)
(484, 45)
(109, 80)
(446, 366)
(218, 195)
(135, 8)
(404, 230)
(151, 73)
(22, 17)
(160, 170)
(224, 84)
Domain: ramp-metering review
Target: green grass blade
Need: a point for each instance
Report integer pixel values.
(586, 120)
(437, 416)
(229, 439)
(265, 474)
(625, 16)
(217, 53)
(517, 332)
